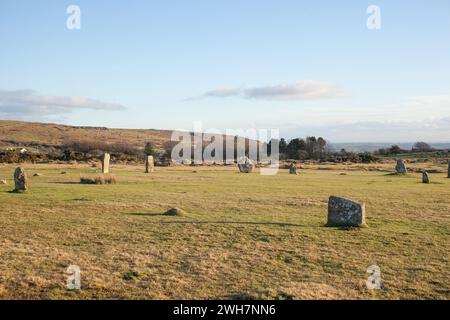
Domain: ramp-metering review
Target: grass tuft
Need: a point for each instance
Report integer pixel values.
(98, 180)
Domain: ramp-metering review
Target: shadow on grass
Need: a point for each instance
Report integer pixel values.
(65, 182)
(16, 191)
(148, 214)
(280, 224)
(433, 182)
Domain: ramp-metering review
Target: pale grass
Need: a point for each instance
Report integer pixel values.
(244, 235)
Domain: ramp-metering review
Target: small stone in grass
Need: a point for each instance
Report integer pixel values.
(175, 212)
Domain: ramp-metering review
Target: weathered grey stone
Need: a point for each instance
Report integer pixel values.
(425, 177)
(345, 213)
(20, 179)
(105, 163)
(401, 167)
(246, 165)
(186, 162)
(293, 168)
(149, 164)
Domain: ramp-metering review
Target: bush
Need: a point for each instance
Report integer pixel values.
(367, 157)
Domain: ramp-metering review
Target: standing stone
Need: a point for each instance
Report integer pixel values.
(401, 167)
(20, 179)
(345, 213)
(292, 169)
(425, 177)
(246, 165)
(149, 164)
(448, 170)
(105, 163)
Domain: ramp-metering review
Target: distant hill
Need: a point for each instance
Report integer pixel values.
(33, 134)
(371, 146)
(19, 133)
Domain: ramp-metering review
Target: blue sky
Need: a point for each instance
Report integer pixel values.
(304, 67)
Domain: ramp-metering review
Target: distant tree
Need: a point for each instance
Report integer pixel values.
(283, 146)
(293, 148)
(302, 145)
(168, 146)
(321, 146)
(421, 147)
(149, 149)
(367, 157)
(269, 146)
(382, 152)
(395, 150)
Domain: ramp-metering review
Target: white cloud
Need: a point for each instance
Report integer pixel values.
(301, 90)
(408, 120)
(27, 102)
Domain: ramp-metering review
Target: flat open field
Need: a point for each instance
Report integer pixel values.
(244, 235)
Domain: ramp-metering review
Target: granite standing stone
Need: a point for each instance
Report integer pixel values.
(345, 213)
(246, 166)
(425, 177)
(401, 167)
(20, 179)
(149, 164)
(292, 169)
(105, 163)
(448, 170)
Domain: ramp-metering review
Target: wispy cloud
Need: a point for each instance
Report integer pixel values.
(301, 90)
(431, 130)
(27, 102)
(410, 119)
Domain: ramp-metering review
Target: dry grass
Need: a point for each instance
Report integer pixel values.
(246, 235)
(56, 135)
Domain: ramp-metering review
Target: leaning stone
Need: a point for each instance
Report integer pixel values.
(425, 177)
(149, 164)
(401, 167)
(345, 213)
(20, 179)
(105, 163)
(292, 169)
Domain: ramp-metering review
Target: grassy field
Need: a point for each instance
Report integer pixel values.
(244, 235)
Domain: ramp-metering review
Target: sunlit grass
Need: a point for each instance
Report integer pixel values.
(242, 235)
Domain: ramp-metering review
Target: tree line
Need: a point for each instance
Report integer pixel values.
(309, 148)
